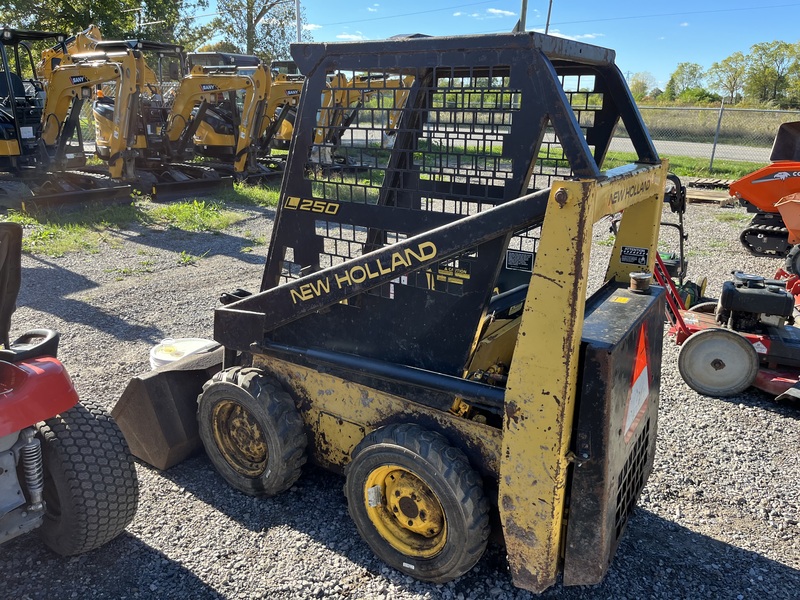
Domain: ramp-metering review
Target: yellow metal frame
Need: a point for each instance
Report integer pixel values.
(542, 384)
(530, 455)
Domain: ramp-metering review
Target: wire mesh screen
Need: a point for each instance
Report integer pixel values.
(436, 140)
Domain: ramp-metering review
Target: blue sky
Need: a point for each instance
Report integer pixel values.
(651, 37)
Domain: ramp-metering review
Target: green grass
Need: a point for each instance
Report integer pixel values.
(195, 215)
(56, 233)
(684, 166)
(252, 195)
(735, 218)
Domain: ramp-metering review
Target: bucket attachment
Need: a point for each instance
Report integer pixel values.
(157, 411)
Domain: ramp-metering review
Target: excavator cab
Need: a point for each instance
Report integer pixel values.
(22, 98)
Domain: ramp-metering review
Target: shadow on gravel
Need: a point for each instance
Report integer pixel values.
(754, 398)
(198, 243)
(124, 568)
(46, 288)
(676, 562)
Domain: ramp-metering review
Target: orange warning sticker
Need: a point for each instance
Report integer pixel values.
(640, 387)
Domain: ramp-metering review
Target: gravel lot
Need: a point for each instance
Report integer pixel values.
(718, 518)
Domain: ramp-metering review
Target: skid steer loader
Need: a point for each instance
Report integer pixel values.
(424, 327)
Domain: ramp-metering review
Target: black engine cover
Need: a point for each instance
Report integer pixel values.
(769, 300)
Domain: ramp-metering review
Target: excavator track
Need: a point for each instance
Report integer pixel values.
(766, 236)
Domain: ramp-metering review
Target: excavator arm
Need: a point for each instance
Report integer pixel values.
(70, 85)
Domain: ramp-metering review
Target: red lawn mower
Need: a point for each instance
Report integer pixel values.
(65, 467)
(746, 338)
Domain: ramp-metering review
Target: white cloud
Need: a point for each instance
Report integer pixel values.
(370, 9)
(684, 24)
(589, 36)
(311, 27)
(457, 14)
(351, 37)
(496, 12)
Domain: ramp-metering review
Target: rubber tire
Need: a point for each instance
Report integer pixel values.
(792, 262)
(706, 308)
(447, 472)
(696, 349)
(91, 489)
(277, 417)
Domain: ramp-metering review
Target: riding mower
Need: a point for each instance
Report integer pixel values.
(65, 468)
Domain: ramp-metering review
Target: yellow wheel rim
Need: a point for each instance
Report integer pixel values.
(405, 512)
(239, 438)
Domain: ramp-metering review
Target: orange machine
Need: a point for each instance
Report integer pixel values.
(773, 194)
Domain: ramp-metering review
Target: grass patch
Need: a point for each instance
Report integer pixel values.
(252, 195)
(187, 259)
(55, 234)
(196, 215)
(51, 233)
(684, 166)
(733, 217)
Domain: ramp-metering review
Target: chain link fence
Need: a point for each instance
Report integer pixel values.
(722, 133)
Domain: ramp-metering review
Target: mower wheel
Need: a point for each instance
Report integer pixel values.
(417, 502)
(718, 362)
(90, 486)
(252, 431)
(706, 308)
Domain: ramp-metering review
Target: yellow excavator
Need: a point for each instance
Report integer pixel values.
(200, 93)
(38, 120)
(145, 158)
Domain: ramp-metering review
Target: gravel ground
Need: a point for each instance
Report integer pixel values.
(718, 518)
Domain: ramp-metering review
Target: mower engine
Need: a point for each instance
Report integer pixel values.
(750, 302)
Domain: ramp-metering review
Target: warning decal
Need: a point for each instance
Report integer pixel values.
(640, 387)
(632, 255)
(519, 260)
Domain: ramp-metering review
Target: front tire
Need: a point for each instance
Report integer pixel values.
(718, 362)
(90, 486)
(251, 431)
(417, 502)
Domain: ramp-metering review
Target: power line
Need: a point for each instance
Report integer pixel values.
(676, 14)
(413, 14)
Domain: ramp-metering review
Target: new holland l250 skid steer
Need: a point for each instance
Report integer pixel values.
(423, 327)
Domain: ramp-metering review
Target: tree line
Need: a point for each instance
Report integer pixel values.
(261, 27)
(767, 76)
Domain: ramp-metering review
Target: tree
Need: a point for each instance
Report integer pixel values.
(641, 83)
(728, 75)
(769, 66)
(687, 76)
(263, 27)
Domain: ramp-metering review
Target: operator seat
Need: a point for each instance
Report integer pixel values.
(16, 85)
(33, 343)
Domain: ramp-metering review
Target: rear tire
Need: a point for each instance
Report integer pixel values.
(417, 502)
(252, 431)
(90, 486)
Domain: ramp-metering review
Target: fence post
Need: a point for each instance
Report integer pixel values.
(716, 135)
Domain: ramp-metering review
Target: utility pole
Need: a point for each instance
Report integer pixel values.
(549, 10)
(297, 14)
